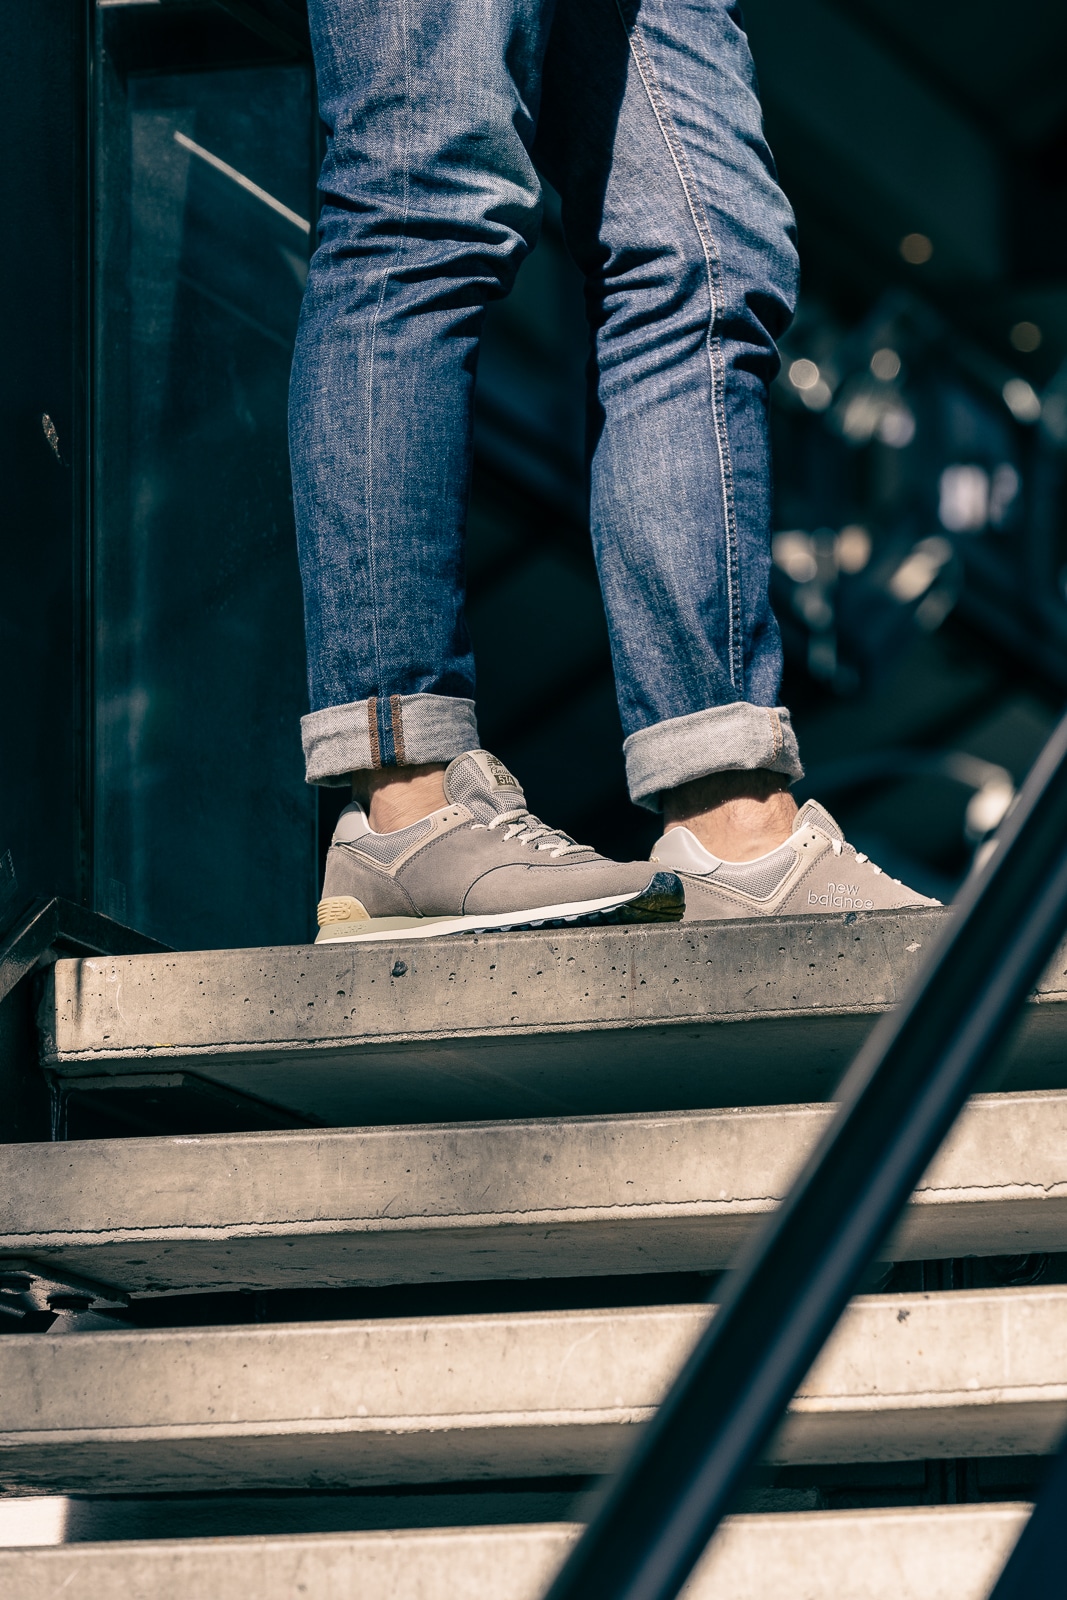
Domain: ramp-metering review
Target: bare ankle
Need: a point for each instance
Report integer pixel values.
(395, 797)
(736, 815)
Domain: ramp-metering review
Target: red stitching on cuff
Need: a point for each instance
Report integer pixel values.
(372, 725)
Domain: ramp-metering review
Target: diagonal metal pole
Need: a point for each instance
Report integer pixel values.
(1036, 1569)
(898, 1101)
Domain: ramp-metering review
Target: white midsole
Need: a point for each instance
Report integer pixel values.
(434, 927)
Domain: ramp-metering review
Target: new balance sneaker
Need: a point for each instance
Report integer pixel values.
(815, 870)
(482, 861)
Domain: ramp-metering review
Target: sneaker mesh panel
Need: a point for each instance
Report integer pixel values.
(812, 812)
(385, 848)
(466, 786)
(757, 878)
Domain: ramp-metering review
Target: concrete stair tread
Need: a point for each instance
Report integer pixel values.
(923, 1553)
(517, 1024)
(905, 1377)
(556, 1197)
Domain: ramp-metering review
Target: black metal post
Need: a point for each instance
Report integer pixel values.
(899, 1100)
(1036, 1569)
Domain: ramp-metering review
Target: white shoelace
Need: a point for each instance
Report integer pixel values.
(525, 828)
(839, 845)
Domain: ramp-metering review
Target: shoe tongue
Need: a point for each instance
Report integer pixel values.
(483, 784)
(813, 815)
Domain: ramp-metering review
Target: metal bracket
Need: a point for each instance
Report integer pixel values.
(47, 929)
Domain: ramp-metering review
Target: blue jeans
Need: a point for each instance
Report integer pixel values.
(644, 115)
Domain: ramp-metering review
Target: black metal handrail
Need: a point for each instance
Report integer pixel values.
(898, 1101)
(1036, 1568)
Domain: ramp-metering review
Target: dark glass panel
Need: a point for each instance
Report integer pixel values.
(204, 829)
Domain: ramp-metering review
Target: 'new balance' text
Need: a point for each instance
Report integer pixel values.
(840, 897)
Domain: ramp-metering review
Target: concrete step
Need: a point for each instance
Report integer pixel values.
(557, 1197)
(905, 1377)
(925, 1553)
(518, 1024)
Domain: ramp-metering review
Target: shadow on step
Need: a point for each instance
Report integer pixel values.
(74, 1519)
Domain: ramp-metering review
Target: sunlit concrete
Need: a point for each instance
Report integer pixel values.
(943, 1553)
(552, 1197)
(510, 1395)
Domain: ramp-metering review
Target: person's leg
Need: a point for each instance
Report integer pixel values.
(430, 201)
(651, 126)
(651, 129)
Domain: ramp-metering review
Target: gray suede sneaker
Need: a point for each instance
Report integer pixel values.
(480, 862)
(815, 870)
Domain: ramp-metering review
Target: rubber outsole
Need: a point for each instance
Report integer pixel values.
(663, 900)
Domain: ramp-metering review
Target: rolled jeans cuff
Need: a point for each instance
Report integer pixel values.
(734, 738)
(401, 730)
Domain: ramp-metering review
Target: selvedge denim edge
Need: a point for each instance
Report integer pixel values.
(403, 730)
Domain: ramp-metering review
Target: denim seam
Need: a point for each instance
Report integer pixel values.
(698, 212)
(398, 252)
(385, 732)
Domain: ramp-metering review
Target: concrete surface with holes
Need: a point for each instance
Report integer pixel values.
(518, 1024)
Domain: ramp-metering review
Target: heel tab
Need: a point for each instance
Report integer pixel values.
(351, 824)
(681, 851)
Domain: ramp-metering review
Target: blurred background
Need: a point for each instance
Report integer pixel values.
(149, 600)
